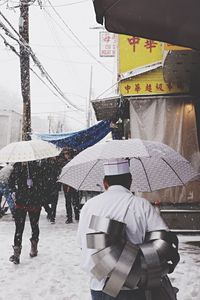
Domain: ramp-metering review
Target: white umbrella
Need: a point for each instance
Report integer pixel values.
(153, 166)
(28, 151)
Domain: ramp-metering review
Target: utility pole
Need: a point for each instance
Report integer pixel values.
(89, 101)
(24, 69)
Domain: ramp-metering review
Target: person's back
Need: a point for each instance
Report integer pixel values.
(26, 182)
(119, 204)
(18, 183)
(51, 171)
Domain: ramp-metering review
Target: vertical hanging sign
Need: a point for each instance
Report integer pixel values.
(107, 44)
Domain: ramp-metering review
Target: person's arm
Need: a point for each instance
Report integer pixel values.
(153, 219)
(82, 227)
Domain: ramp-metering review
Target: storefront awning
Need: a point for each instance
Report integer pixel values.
(111, 108)
(175, 22)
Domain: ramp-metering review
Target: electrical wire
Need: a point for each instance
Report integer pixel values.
(69, 4)
(63, 30)
(68, 61)
(58, 44)
(12, 48)
(59, 113)
(28, 49)
(107, 89)
(77, 38)
(63, 5)
(63, 46)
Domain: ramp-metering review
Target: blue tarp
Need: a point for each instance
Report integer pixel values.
(81, 139)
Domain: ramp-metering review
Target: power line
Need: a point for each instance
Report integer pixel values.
(68, 4)
(77, 38)
(68, 61)
(108, 89)
(58, 44)
(64, 31)
(12, 48)
(25, 3)
(27, 48)
(59, 113)
(62, 46)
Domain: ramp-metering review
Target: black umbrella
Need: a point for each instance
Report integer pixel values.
(173, 21)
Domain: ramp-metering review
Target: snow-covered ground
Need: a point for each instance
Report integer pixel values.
(55, 273)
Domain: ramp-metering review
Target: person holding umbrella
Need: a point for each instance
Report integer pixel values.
(26, 182)
(109, 255)
(117, 203)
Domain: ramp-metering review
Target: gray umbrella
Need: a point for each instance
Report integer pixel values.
(153, 166)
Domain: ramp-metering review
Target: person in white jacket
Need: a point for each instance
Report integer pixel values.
(120, 204)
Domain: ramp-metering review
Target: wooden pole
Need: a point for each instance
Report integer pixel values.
(24, 69)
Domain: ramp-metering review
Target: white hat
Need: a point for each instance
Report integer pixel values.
(116, 167)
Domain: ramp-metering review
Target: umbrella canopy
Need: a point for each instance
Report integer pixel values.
(175, 22)
(153, 166)
(28, 151)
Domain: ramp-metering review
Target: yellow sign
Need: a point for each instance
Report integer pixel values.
(151, 83)
(137, 52)
(170, 47)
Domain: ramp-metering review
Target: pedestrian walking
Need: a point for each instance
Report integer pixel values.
(72, 199)
(51, 170)
(26, 183)
(117, 203)
(4, 189)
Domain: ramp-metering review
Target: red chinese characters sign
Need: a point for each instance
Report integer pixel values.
(107, 44)
(150, 83)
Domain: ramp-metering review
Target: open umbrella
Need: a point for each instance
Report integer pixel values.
(28, 151)
(175, 22)
(153, 166)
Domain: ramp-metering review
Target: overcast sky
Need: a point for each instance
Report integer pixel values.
(62, 56)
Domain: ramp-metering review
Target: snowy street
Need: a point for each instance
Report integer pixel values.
(55, 274)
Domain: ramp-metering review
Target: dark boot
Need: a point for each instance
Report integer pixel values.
(15, 257)
(77, 216)
(34, 250)
(68, 221)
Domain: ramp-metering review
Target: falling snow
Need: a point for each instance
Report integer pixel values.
(55, 274)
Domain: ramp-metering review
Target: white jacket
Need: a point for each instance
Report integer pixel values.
(120, 204)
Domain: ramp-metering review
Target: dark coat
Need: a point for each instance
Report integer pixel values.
(27, 196)
(51, 170)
